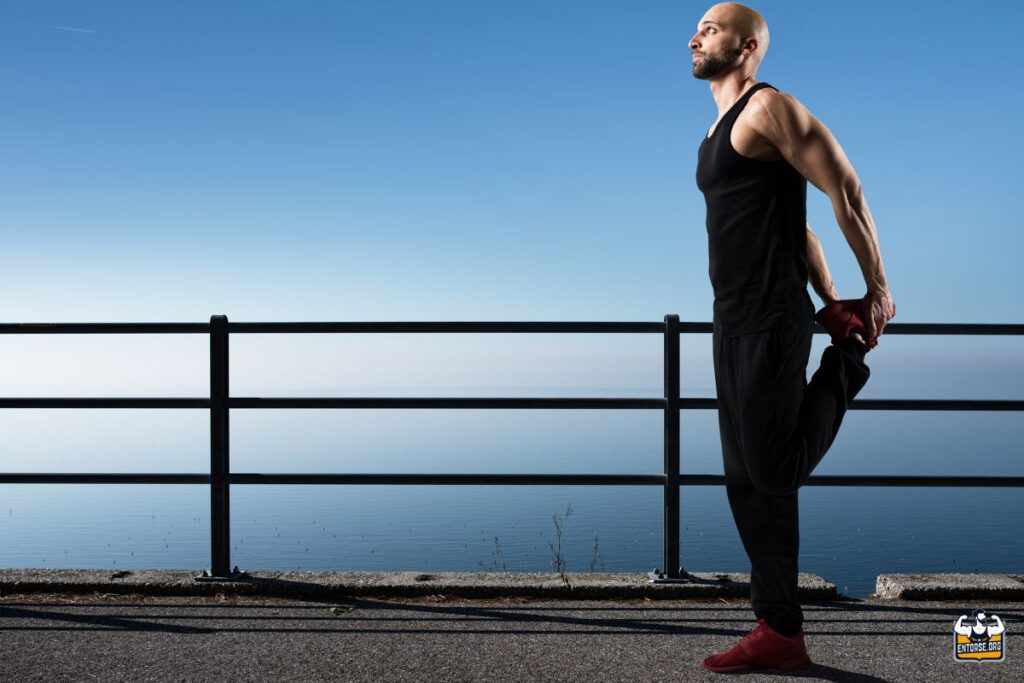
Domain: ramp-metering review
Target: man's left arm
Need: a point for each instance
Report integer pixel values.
(813, 151)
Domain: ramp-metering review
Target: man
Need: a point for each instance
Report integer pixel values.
(753, 167)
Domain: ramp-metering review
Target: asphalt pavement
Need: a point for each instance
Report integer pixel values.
(112, 637)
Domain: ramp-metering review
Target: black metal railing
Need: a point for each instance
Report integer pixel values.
(220, 404)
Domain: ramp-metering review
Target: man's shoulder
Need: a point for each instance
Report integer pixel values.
(771, 110)
(770, 99)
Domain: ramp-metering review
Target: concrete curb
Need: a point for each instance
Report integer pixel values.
(949, 586)
(580, 586)
(330, 585)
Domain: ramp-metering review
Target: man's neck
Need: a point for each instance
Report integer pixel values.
(729, 89)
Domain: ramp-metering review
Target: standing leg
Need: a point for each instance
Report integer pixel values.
(767, 524)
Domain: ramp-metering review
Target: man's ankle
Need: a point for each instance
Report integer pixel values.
(855, 348)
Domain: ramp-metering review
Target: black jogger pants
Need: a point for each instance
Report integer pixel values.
(775, 428)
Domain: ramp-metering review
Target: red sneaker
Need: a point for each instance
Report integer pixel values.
(844, 317)
(762, 648)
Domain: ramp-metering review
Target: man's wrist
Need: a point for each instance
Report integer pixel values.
(829, 298)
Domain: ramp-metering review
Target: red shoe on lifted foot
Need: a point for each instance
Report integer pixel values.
(844, 317)
(762, 648)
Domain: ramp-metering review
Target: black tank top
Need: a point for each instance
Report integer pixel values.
(757, 234)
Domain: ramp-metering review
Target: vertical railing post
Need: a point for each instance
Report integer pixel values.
(220, 503)
(671, 447)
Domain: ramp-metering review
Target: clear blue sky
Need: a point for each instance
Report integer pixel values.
(475, 160)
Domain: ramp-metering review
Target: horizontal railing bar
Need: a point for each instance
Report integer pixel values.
(946, 328)
(105, 403)
(934, 404)
(470, 326)
(874, 480)
(449, 327)
(459, 479)
(601, 403)
(891, 404)
(435, 402)
(497, 479)
(606, 479)
(563, 326)
(598, 403)
(100, 478)
(104, 328)
(246, 478)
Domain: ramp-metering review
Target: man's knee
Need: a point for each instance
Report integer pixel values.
(769, 463)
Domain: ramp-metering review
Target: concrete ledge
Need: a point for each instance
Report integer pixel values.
(329, 585)
(950, 586)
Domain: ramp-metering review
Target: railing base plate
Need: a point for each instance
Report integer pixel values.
(658, 576)
(235, 575)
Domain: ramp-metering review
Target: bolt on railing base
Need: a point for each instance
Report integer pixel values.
(658, 576)
(236, 575)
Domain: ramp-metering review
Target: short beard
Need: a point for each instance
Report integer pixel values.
(710, 67)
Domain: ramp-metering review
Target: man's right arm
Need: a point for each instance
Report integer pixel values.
(810, 148)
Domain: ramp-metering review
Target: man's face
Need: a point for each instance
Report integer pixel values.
(716, 50)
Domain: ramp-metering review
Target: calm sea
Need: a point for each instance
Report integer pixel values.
(848, 535)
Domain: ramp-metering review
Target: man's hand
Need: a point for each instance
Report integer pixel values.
(880, 309)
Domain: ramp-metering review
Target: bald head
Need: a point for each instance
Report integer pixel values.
(746, 22)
